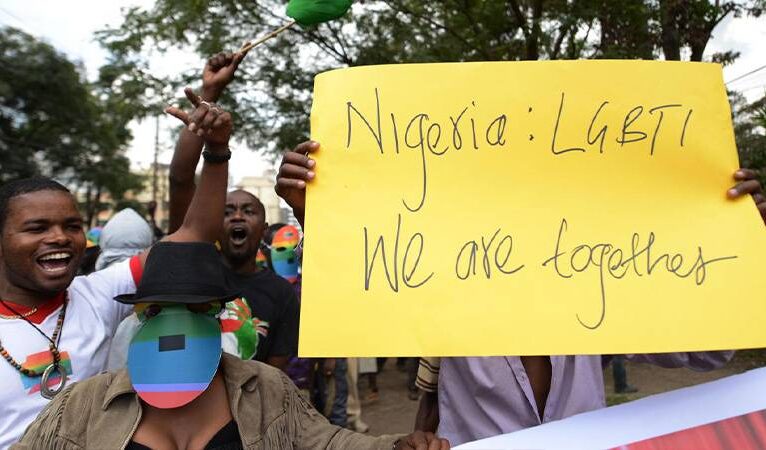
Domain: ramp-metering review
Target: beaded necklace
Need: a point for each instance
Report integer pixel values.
(53, 341)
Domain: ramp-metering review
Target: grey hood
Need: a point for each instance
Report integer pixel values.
(126, 234)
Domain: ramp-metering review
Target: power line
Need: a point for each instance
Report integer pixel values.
(11, 15)
(763, 86)
(20, 23)
(747, 74)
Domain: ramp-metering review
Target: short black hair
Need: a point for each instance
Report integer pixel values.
(258, 203)
(24, 186)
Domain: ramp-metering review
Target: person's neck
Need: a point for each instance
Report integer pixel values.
(25, 297)
(243, 267)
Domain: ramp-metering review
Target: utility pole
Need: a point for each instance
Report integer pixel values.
(155, 168)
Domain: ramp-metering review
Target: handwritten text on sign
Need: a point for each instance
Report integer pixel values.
(527, 208)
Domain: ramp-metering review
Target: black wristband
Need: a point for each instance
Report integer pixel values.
(216, 158)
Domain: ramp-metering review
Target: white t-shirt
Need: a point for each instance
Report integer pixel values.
(92, 316)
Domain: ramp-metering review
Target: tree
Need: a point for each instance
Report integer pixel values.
(54, 123)
(750, 132)
(273, 94)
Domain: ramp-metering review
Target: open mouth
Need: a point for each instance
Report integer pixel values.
(238, 235)
(55, 262)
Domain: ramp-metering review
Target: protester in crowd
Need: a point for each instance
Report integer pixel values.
(271, 299)
(411, 367)
(353, 403)
(151, 208)
(370, 368)
(279, 254)
(180, 391)
(619, 373)
(55, 328)
(480, 397)
(126, 234)
(427, 417)
(331, 394)
(279, 246)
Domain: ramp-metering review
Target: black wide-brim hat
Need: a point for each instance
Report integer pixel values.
(181, 272)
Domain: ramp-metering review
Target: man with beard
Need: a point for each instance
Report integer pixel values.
(55, 328)
(272, 300)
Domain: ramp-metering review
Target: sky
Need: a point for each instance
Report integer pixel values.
(69, 27)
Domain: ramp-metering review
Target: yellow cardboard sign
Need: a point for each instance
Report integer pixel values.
(528, 208)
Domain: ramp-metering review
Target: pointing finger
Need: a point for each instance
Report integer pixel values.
(177, 113)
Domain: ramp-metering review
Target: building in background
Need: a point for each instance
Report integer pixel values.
(160, 191)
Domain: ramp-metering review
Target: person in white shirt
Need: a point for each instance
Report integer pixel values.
(54, 328)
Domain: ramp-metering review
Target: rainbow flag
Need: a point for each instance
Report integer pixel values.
(38, 362)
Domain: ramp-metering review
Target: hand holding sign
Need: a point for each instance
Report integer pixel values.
(748, 184)
(296, 169)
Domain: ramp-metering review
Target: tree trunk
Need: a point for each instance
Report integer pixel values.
(533, 40)
(670, 36)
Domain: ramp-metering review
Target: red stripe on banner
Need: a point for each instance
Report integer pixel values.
(746, 432)
(757, 424)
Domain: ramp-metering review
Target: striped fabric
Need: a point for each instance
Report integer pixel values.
(747, 432)
(428, 374)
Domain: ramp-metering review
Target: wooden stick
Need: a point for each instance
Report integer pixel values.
(260, 41)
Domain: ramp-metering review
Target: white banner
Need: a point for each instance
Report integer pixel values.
(647, 418)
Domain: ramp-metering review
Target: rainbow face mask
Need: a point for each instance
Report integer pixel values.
(175, 354)
(282, 253)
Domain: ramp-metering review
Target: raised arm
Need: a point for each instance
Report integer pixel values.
(204, 219)
(217, 74)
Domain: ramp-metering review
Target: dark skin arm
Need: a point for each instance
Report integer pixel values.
(427, 418)
(217, 74)
(204, 219)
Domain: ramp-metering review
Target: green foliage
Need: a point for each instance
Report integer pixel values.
(313, 12)
(272, 92)
(750, 132)
(54, 123)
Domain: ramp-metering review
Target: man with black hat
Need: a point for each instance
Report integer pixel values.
(180, 391)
